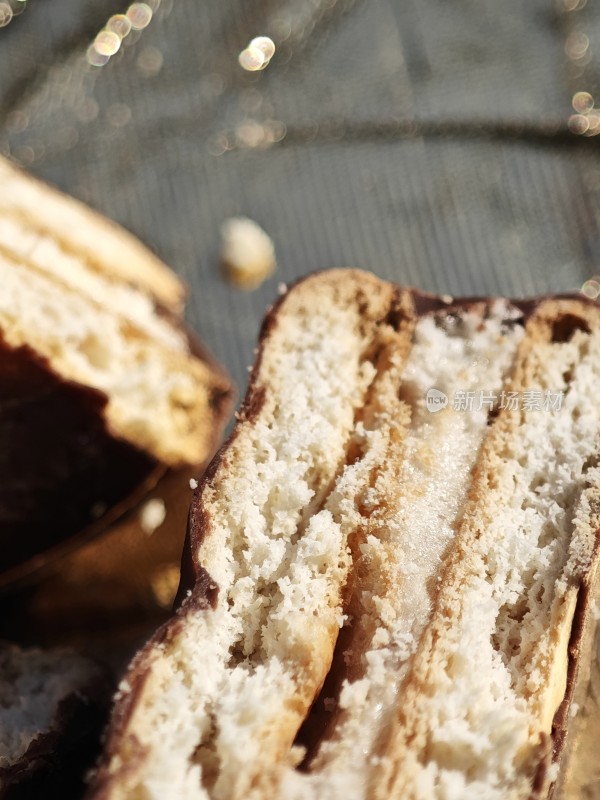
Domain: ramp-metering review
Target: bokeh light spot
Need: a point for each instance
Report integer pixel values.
(582, 102)
(107, 43)
(591, 288)
(139, 15)
(119, 24)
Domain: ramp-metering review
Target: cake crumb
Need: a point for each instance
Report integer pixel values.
(247, 253)
(193, 483)
(574, 710)
(296, 756)
(152, 515)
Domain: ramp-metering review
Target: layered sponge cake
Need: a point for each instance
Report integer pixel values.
(388, 591)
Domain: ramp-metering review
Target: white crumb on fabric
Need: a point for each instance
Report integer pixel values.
(152, 515)
(247, 252)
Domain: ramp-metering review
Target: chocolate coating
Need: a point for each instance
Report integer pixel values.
(61, 470)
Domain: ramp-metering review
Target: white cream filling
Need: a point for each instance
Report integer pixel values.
(439, 451)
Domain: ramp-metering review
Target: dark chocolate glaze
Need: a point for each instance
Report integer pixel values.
(580, 628)
(530, 304)
(60, 467)
(426, 303)
(538, 784)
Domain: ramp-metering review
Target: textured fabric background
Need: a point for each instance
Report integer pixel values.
(426, 140)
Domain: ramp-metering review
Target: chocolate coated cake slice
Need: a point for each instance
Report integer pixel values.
(103, 388)
(388, 584)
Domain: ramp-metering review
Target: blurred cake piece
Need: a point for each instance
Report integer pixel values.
(102, 387)
(101, 246)
(52, 708)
